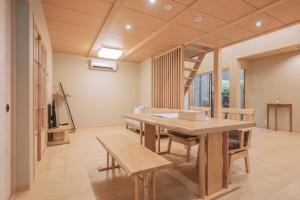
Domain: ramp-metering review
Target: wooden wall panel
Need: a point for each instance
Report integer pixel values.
(167, 79)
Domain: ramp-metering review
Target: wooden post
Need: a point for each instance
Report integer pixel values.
(217, 84)
(181, 66)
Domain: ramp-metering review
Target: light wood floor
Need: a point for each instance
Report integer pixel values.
(69, 172)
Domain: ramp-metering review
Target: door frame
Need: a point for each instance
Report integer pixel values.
(13, 97)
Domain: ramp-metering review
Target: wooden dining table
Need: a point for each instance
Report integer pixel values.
(213, 147)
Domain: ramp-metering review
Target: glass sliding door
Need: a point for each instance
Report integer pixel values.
(225, 89)
(202, 90)
(242, 85)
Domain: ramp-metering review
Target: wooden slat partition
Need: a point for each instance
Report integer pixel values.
(168, 79)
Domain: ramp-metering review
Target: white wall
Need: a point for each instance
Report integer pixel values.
(98, 98)
(276, 78)
(145, 83)
(5, 98)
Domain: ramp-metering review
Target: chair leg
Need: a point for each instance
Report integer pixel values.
(247, 164)
(141, 137)
(229, 168)
(169, 145)
(197, 160)
(188, 152)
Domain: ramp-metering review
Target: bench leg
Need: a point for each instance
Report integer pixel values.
(247, 163)
(136, 188)
(107, 159)
(188, 153)
(108, 167)
(141, 133)
(113, 163)
(169, 144)
(149, 186)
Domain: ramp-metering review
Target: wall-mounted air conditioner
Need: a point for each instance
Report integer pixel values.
(103, 65)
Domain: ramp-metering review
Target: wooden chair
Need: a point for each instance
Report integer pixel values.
(239, 140)
(206, 110)
(185, 139)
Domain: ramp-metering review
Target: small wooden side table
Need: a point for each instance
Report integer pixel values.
(276, 106)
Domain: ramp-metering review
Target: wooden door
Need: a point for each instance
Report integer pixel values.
(36, 100)
(40, 100)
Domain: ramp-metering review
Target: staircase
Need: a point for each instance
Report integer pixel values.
(190, 72)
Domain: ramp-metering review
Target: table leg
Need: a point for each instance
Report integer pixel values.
(158, 141)
(202, 165)
(276, 118)
(225, 159)
(149, 136)
(214, 173)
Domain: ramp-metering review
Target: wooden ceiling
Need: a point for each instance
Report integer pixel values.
(81, 27)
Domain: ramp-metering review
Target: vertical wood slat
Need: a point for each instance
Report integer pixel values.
(167, 78)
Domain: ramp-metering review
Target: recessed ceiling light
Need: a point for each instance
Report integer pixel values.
(258, 24)
(110, 53)
(152, 1)
(128, 26)
(198, 19)
(168, 7)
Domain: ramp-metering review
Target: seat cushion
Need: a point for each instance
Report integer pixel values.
(182, 135)
(234, 136)
(233, 144)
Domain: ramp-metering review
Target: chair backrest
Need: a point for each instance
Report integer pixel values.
(206, 110)
(238, 114)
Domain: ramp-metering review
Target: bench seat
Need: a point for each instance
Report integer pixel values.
(137, 161)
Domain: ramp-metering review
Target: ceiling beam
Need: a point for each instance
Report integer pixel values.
(192, 48)
(258, 11)
(109, 18)
(160, 30)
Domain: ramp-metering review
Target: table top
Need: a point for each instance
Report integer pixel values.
(205, 126)
(279, 104)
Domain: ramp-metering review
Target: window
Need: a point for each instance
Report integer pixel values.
(202, 90)
(242, 85)
(225, 88)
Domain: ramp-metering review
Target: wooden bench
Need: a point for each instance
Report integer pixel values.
(137, 161)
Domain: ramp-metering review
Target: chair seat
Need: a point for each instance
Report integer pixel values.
(182, 135)
(245, 129)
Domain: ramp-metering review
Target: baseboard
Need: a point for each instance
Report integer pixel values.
(22, 188)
